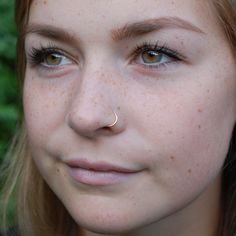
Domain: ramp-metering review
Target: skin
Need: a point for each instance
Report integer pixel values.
(174, 121)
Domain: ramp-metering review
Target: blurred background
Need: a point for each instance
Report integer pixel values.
(10, 101)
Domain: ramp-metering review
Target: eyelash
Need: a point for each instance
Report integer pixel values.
(156, 47)
(38, 55)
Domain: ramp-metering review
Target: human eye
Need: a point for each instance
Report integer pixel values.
(49, 58)
(155, 56)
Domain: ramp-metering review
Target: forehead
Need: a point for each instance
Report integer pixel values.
(80, 15)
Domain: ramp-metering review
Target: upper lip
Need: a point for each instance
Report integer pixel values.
(98, 166)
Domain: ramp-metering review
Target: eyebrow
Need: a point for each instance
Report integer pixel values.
(128, 31)
(150, 25)
(51, 32)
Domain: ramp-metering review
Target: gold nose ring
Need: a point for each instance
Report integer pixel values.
(116, 119)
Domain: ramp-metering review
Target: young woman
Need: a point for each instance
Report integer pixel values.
(129, 110)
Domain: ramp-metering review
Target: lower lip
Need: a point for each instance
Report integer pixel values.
(98, 178)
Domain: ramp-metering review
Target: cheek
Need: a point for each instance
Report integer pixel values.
(188, 131)
(44, 108)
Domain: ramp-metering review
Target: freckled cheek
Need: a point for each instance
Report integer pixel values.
(192, 135)
(44, 111)
(184, 137)
(174, 126)
(195, 152)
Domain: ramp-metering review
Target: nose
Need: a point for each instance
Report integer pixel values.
(93, 109)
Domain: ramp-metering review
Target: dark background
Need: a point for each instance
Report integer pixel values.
(10, 101)
(9, 90)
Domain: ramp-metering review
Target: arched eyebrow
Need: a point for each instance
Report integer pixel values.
(150, 25)
(128, 31)
(52, 32)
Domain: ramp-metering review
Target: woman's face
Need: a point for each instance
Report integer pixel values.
(166, 69)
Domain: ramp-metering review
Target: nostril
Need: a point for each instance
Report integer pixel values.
(82, 123)
(92, 121)
(87, 123)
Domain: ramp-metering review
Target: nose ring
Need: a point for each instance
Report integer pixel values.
(116, 119)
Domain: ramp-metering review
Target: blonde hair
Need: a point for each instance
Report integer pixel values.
(37, 205)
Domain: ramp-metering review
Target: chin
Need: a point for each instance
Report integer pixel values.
(109, 224)
(107, 230)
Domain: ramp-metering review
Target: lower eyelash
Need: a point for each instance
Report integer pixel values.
(155, 67)
(37, 55)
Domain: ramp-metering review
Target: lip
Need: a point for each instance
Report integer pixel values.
(98, 173)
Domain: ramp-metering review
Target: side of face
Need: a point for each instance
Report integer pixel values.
(175, 114)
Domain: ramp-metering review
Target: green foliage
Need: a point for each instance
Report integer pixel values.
(9, 92)
(9, 96)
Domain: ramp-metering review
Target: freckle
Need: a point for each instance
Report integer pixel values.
(170, 132)
(58, 170)
(189, 171)
(208, 90)
(62, 93)
(199, 110)
(199, 126)
(208, 146)
(44, 2)
(118, 108)
(172, 158)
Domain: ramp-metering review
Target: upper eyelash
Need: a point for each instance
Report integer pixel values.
(147, 46)
(37, 55)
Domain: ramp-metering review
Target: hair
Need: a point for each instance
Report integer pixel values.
(37, 205)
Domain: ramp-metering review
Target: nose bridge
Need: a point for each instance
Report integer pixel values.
(94, 90)
(92, 106)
